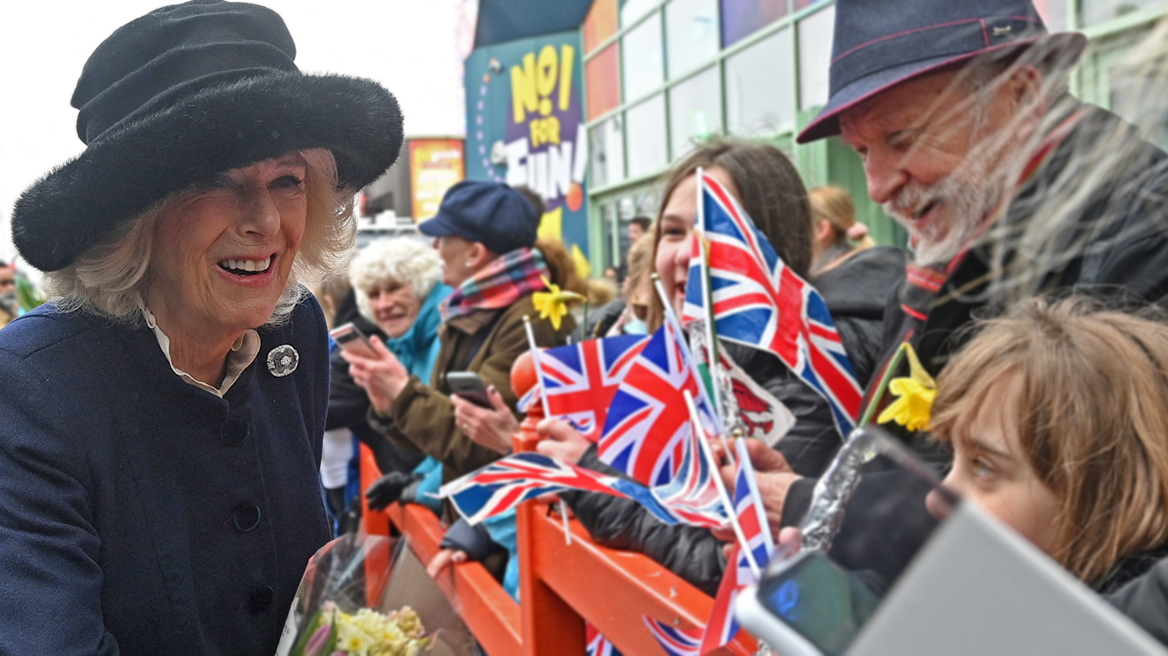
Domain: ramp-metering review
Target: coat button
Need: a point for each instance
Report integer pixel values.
(246, 517)
(260, 599)
(235, 431)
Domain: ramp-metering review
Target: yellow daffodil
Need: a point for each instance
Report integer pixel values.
(914, 404)
(553, 304)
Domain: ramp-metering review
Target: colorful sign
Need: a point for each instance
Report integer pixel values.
(435, 166)
(526, 126)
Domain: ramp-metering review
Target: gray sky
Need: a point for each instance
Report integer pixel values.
(407, 45)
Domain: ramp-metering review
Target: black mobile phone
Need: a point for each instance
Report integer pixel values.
(468, 385)
(821, 605)
(353, 340)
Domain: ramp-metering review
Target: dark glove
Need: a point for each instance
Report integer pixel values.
(474, 540)
(387, 489)
(410, 492)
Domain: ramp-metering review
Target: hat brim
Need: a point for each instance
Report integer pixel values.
(127, 170)
(437, 226)
(826, 123)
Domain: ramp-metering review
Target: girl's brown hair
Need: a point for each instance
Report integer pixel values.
(1092, 419)
(769, 189)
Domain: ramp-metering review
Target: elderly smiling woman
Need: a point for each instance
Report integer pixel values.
(160, 421)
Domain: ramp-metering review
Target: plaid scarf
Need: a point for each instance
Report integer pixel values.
(500, 284)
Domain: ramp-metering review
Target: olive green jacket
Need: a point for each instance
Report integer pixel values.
(422, 416)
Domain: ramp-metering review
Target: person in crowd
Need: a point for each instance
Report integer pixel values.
(628, 314)
(973, 144)
(638, 226)
(397, 292)
(836, 228)
(853, 280)
(485, 235)
(160, 420)
(770, 190)
(1056, 415)
(611, 275)
(9, 308)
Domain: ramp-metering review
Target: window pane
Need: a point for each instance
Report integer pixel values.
(815, 57)
(642, 59)
(760, 83)
(600, 24)
(695, 111)
(603, 79)
(631, 10)
(741, 18)
(608, 153)
(691, 34)
(1054, 14)
(1092, 12)
(645, 125)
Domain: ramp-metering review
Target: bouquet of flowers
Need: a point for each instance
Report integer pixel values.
(365, 595)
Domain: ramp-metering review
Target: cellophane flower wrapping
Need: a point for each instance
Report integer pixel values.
(368, 595)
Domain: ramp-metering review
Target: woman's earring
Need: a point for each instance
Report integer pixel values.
(468, 265)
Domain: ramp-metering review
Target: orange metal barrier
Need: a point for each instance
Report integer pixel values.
(561, 586)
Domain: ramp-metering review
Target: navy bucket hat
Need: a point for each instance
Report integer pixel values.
(880, 43)
(490, 213)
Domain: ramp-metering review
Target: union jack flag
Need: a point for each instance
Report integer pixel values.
(502, 485)
(581, 379)
(692, 495)
(758, 301)
(648, 421)
(722, 627)
(675, 641)
(596, 644)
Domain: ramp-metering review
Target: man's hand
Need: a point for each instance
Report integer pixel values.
(383, 377)
(774, 476)
(387, 489)
(561, 441)
(488, 428)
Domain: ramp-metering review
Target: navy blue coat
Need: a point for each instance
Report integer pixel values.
(142, 515)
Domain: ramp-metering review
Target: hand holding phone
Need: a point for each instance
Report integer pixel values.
(353, 340)
(468, 385)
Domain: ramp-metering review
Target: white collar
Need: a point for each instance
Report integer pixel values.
(243, 353)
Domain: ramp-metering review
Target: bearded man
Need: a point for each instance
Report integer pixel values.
(1007, 184)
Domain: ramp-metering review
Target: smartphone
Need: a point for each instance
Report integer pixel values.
(353, 340)
(808, 606)
(468, 385)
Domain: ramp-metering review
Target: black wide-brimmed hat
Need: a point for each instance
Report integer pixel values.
(881, 43)
(185, 92)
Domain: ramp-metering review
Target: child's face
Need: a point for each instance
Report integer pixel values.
(990, 470)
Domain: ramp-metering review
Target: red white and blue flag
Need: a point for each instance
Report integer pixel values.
(504, 484)
(648, 421)
(581, 379)
(692, 495)
(596, 644)
(674, 640)
(758, 301)
(722, 627)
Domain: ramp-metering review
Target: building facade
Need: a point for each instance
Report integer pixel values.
(661, 75)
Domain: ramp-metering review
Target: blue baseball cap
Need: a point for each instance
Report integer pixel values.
(490, 213)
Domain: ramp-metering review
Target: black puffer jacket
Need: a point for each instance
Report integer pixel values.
(349, 404)
(690, 552)
(856, 292)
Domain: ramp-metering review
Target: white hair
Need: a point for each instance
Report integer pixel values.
(401, 260)
(109, 278)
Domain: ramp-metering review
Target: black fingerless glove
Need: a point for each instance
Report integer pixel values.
(387, 489)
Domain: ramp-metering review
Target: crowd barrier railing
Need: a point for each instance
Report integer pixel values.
(561, 585)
